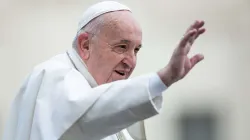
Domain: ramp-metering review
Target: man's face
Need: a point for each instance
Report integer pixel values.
(112, 53)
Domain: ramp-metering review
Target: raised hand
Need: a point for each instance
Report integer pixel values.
(179, 64)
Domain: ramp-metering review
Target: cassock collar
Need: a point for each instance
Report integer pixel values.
(81, 66)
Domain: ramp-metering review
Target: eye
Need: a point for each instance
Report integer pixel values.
(123, 46)
(120, 48)
(137, 50)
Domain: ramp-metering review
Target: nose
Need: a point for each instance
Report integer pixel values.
(130, 60)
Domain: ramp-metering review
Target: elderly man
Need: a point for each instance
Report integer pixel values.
(85, 93)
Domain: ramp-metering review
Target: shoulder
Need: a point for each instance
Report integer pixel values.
(58, 66)
(58, 62)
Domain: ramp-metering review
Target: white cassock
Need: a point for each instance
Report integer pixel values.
(60, 100)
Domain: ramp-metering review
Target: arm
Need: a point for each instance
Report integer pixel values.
(97, 112)
(108, 108)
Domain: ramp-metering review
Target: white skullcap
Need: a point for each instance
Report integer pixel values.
(99, 9)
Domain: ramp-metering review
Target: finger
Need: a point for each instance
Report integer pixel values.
(196, 59)
(201, 24)
(186, 39)
(193, 26)
(196, 25)
(200, 31)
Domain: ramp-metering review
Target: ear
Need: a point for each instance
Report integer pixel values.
(83, 46)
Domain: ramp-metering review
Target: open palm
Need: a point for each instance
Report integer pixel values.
(180, 64)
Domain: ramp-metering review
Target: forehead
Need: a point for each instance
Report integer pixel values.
(121, 26)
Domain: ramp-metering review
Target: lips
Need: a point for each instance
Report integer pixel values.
(122, 73)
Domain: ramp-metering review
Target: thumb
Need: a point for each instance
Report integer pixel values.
(196, 59)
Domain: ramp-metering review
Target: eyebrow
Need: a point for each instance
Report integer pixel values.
(128, 41)
(125, 41)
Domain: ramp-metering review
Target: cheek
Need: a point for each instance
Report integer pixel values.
(115, 60)
(110, 60)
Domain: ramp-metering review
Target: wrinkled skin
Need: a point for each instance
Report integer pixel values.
(121, 33)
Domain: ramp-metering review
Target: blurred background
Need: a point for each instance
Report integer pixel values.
(211, 103)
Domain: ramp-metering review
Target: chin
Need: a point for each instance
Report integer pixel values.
(119, 78)
(116, 77)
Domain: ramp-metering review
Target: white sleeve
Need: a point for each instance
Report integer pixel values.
(156, 86)
(66, 100)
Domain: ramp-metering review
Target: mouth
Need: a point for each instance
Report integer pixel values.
(120, 73)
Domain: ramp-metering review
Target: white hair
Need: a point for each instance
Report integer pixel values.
(93, 27)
